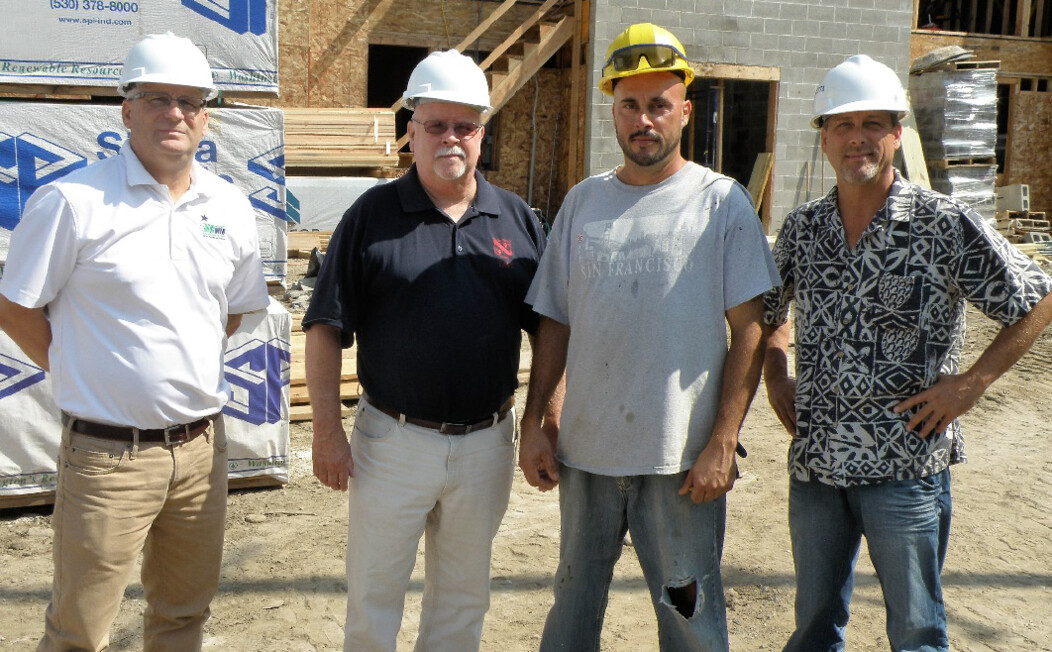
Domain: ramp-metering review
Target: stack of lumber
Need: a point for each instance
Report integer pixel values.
(339, 138)
(299, 400)
(300, 243)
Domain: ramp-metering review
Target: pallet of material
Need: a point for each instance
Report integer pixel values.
(961, 161)
(340, 138)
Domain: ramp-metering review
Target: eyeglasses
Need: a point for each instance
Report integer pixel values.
(658, 56)
(440, 127)
(160, 101)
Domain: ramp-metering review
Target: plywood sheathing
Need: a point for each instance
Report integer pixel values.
(323, 48)
(324, 44)
(1030, 142)
(515, 139)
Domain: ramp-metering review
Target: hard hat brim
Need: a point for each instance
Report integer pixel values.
(854, 107)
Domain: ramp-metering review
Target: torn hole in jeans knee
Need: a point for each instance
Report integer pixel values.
(682, 596)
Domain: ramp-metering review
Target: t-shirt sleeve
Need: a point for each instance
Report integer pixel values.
(43, 250)
(548, 292)
(748, 268)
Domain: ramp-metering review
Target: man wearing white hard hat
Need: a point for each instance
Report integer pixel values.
(428, 274)
(879, 271)
(123, 281)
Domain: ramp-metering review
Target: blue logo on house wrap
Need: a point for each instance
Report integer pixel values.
(239, 16)
(270, 198)
(16, 375)
(26, 163)
(257, 371)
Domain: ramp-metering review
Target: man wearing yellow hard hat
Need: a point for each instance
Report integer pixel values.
(646, 267)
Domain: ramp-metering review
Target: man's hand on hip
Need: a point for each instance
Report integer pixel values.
(936, 407)
(332, 457)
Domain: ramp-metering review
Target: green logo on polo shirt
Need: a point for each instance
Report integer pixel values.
(213, 231)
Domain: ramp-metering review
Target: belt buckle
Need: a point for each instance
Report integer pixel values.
(182, 438)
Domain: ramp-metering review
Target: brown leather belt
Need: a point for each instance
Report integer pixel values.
(169, 436)
(444, 427)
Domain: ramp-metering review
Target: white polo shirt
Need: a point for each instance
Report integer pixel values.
(137, 288)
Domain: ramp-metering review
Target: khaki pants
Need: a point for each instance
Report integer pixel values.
(410, 482)
(114, 500)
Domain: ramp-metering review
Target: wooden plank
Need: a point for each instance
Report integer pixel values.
(517, 33)
(913, 157)
(737, 71)
(349, 390)
(761, 173)
(18, 501)
(1022, 18)
(254, 482)
(299, 413)
(531, 64)
(576, 69)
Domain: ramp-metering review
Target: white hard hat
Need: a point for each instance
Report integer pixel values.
(447, 77)
(859, 84)
(166, 59)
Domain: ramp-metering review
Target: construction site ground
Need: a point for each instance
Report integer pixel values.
(283, 588)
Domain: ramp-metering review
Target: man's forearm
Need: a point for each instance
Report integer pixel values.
(324, 366)
(741, 371)
(29, 328)
(1011, 344)
(776, 351)
(546, 372)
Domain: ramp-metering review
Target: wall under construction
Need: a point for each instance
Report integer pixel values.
(324, 50)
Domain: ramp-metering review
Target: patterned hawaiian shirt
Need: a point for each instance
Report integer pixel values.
(878, 323)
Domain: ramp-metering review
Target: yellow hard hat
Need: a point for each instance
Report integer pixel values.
(643, 48)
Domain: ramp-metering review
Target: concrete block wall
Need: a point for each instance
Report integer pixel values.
(802, 38)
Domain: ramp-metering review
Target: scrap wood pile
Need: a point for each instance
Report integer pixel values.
(1028, 230)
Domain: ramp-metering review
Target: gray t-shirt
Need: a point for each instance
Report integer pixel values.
(643, 276)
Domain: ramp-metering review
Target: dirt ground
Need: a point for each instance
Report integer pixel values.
(283, 588)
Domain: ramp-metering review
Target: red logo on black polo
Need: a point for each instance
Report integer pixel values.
(502, 248)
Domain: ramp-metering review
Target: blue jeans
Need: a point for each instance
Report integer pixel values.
(906, 525)
(679, 545)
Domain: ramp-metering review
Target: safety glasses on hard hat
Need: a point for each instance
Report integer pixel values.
(658, 56)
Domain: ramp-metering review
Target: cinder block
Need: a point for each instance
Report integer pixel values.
(1015, 197)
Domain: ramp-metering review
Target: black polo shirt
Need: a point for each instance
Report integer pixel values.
(437, 307)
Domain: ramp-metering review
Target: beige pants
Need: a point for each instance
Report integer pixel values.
(114, 500)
